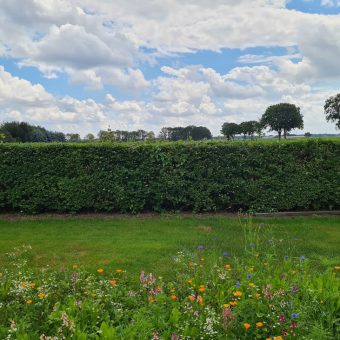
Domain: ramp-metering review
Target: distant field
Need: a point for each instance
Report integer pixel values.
(148, 243)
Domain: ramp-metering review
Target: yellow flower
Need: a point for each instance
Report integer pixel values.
(41, 295)
(74, 266)
(337, 267)
(190, 282)
(119, 270)
(201, 288)
(113, 282)
(227, 266)
(173, 297)
(226, 305)
(237, 294)
(150, 299)
(172, 291)
(278, 337)
(29, 302)
(251, 269)
(251, 285)
(246, 326)
(100, 270)
(259, 324)
(94, 295)
(39, 288)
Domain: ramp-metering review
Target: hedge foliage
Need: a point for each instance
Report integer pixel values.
(198, 176)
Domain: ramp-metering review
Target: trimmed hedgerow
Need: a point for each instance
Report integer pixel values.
(198, 176)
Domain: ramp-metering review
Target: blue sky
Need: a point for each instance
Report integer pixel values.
(76, 66)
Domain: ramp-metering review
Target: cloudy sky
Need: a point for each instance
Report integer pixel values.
(82, 65)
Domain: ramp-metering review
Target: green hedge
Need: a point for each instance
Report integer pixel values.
(199, 176)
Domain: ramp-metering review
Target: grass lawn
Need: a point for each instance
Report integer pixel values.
(136, 243)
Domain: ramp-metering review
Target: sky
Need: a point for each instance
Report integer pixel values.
(83, 65)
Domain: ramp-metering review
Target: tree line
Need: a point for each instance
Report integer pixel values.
(281, 118)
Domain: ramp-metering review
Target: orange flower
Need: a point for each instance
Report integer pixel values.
(246, 326)
(39, 288)
(23, 284)
(32, 284)
(150, 299)
(201, 288)
(41, 295)
(227, 266)
(173, 297)
(191, 298)
(233, 303)
(119, 270)
(257, 295)
(237, 294)
(268, 338)
(29, 302)
(100, 270)
(199, 299)
(113, 282)
(259, 324)
(278, 337)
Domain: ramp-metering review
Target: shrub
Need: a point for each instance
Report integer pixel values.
(198, 176)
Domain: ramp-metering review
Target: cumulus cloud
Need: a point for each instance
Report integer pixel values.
(103, 44)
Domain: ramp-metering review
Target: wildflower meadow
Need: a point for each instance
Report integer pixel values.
(210, 295)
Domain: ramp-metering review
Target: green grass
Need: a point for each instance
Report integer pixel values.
(134, 243)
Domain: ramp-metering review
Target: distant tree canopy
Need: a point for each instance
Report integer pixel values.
(332, 109)
(282, 117)
(24, 132)
(190, 132)
(125, 136)
(248, 128)
(229, 130)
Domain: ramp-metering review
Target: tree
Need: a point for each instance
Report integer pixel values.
(282, 117)
(73, 137)
(248, 128)
(229, 130)
(332, 109)
(308, 134)
(259, 129)
(90, 137)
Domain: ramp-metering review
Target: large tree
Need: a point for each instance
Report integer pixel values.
(282, 118)
(332, 109)
(229, 130)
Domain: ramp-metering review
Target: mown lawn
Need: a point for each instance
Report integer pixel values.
(136, 243)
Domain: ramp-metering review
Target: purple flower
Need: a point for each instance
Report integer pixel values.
(294, 289)
(249, 276)
(282, 276)
(294, 315)
(200, 248)
(302, 258)
(286, 257)
(225, 253)
(251, 245)
(270, 241)
(237, 284)
(282, 318)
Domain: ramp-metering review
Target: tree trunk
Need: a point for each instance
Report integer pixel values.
(285, 133)
(279, 135)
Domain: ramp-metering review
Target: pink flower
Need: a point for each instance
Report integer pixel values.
(282, 318)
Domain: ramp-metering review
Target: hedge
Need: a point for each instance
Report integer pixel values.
(192, 176)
